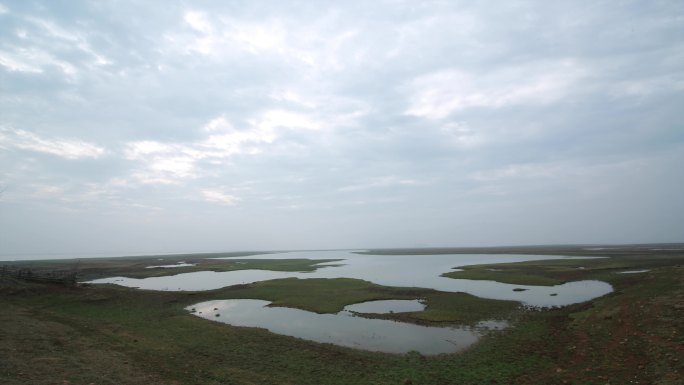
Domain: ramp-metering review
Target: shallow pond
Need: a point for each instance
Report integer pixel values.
(389, 270)
(342, 329)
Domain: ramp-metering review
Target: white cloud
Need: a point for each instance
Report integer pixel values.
(65, 148)
(161, 163)
(649, 86)
(257, 37)
(292, 97)
(313, 46)
(49, 46)
(168, 163)
(331, 107)
(437, 95)
(562, 171)
(218, 196)
(198, 21)
(461, 135)
(178, 166)
(225, 140)
(137, 150)
(387, 181)
(48, 190)
(218, 124)
(522, 171)
(220, 36)
(19, 62)
(277, 118)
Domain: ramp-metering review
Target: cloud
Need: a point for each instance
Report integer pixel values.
(277, 118)
(21, 61)
(522, 171)
(218, 196)
(64, 148)
(48, 190)
(198, 21)
(292, 97)
(217, 37)
(461, 135)
(162, 163)
(168, 163)
(378, 120)
(387, 181)
(291, 41)
(649, 86)
(439, 94)
(40, 45)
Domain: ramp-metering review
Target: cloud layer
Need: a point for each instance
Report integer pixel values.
(171, 126)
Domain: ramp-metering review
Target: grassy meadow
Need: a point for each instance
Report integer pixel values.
(107, 334)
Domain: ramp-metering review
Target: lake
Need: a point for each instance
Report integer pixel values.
(342, 329)
(348, 329)
(389, 270)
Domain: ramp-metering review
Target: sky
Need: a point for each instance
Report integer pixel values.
(196, 126)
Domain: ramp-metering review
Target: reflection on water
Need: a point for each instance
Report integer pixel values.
(179, 264)
(492, 324)
(389, 270)
(388, 306)
(340, 329)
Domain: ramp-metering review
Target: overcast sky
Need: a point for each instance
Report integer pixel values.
(178, 126)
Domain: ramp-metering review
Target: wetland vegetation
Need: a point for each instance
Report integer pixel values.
(111, 334)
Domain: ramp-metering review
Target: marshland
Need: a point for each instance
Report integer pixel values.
(282, 329)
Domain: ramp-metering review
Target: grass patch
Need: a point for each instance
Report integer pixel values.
(332, 295)
(511, 275)
(137, 267)
(147, 337)
(558, 271)
(218, 265)
(107, 334)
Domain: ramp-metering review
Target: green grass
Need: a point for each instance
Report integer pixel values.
(512, 276)
(332, 295)
(295, 265)
(137, 267)
(556, 271)
(150, 335)
(317, 295)
(106, 334)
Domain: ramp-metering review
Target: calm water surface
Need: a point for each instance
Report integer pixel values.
(340, 329)
(389, 270)
(179, 264)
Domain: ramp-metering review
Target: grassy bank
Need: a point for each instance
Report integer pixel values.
(332, 295)
(147, 337)
(558, 271)
(115, 335)
(140, 267)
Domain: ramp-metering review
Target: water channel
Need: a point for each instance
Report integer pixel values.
(347, 328)
(342, 329)
(389, 270)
